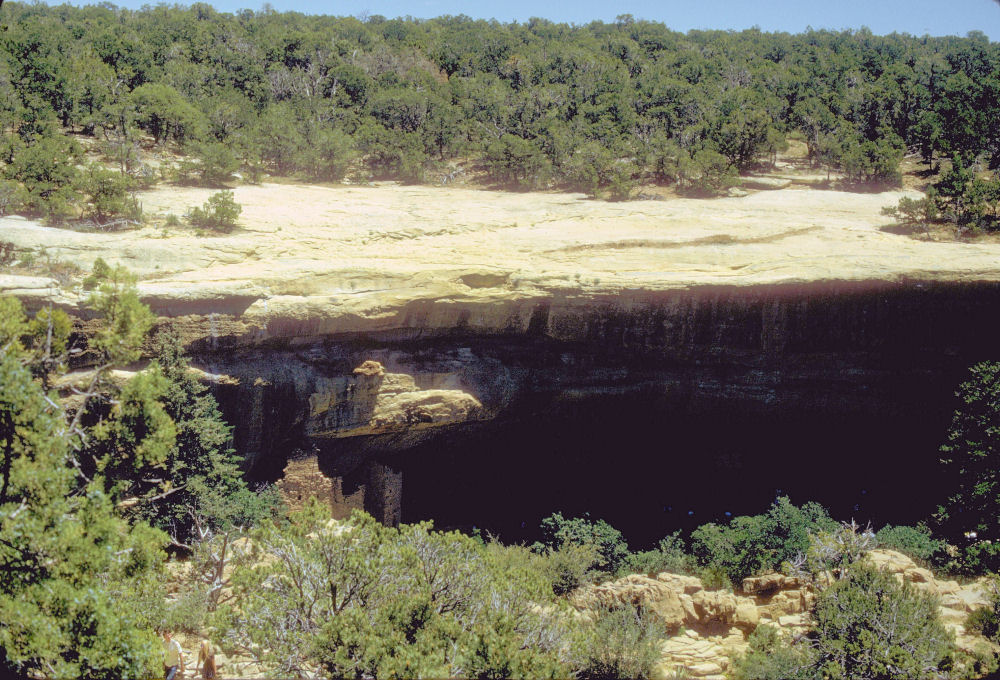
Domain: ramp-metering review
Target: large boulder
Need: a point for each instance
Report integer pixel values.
(674, 599)
(653, 595)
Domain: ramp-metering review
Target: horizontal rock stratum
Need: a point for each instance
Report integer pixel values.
(311, 260)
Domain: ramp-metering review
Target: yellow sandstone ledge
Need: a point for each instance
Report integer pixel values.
(326, 260)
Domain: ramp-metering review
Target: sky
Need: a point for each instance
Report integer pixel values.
(917, 17)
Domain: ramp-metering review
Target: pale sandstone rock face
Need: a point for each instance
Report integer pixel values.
(35, 290)
(321, 260)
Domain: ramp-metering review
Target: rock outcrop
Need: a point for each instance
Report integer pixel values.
(709, 628)
(376, 402)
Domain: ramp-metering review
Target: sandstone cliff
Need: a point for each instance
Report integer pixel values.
(509, 325)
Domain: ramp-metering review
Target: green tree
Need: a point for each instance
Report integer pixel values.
(770, 656)
(970, 513)
(927, 134)
(164, 113)
(559, 531)
(517, 162)
(918, 542)
(278, 125)
(328, 157)
(670, 555)
(707, 173)
(47, 170)
(914, 211)
(870, 625)
(204, 492)
(952, 188)
(872, 162)
(624, 642)
(743, 130)
(12, 197)
(749, 545)
(63, 552)
(124, 319)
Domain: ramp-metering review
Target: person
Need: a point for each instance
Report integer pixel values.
(173, 657)
(206, 659)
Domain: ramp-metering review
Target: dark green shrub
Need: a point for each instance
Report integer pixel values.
(392, 153)
(875, 163)
(514, 161)
(187, 611)
(917, 542)
(713, 577)
(558, 531)
(972, 559)
(593, 166)
(47, 170)
(913, 210)
(12, 197)
(358, 599)
(706, 173)
(408, 637)
(870, 625)
(750, 545)
(220, 212)
(571, 566)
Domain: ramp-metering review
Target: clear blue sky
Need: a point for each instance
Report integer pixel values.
(918, 17)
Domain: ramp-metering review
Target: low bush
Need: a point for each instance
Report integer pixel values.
(623, 643)
(358, 599)
(986, 621)
(773, 657)
(832, 552)
(571, 566)
(220, 212)
(913, 211)
(669, 556)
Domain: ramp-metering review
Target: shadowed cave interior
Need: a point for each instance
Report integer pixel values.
(649, 470)
(660, 419)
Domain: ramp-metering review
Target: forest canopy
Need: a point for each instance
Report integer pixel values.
(598, 107)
